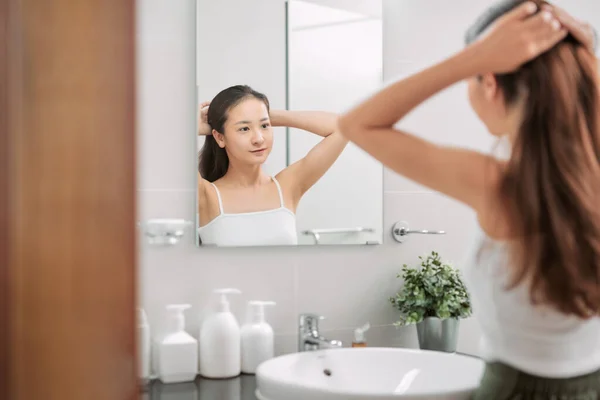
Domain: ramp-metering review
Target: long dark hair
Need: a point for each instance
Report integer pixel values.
(213, 161)
(551, 187)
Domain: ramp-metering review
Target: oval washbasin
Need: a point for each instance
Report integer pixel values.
(369, 373)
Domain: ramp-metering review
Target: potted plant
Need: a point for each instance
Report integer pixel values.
(434, 298)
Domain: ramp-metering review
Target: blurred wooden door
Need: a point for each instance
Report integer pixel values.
(67, 200)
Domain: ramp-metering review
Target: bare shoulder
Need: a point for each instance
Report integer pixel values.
(202, 190)
(289, 187)
(285, 177)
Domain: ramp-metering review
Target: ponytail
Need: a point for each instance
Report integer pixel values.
(213, 161)
(552, 183)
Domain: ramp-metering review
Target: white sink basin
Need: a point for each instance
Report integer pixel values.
(369, 373)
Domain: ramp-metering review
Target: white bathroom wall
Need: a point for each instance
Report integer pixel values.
(335, 58)
(348, 285)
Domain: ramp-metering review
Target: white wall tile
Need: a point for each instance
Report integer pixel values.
(425, 31)
(186, 274)
(350, 286)
(430, 211)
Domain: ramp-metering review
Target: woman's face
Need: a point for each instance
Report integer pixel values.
(487, 101)
(248, 137)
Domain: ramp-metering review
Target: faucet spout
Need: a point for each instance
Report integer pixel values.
(309, 337)
(322, 342)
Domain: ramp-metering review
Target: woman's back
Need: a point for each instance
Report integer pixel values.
(535, 287)
(534, 339)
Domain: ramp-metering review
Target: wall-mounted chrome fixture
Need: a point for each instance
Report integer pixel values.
(316, 233)
(309, 336)
(164, 231)
(401, 230)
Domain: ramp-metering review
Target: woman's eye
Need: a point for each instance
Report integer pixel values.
(244, 129)
(265, 126)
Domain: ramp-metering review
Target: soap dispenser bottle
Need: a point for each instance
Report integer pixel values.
(220, 341)
(257, 337)
(177, 350)
(359, 336)
(143, 336)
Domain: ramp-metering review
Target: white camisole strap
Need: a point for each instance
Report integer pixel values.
(280, 192)
(218, 198)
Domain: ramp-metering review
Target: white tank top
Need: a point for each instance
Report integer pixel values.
(275, 227)
(533, 339)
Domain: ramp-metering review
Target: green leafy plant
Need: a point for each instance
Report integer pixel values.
(435, 289)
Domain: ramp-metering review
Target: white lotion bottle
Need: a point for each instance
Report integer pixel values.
(143, 335)
(177, 351)
(220, 341)
(257, 337)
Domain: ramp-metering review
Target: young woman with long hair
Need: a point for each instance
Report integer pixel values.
(238, 203)
(534, 276)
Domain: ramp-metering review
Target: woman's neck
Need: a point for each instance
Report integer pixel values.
(245, 175)
(514, 119)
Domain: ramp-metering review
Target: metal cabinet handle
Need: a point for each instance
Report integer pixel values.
(401, 230)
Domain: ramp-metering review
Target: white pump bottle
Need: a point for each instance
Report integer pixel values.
(144, 348)
(177, 350)
(220, 341)
(257, 337)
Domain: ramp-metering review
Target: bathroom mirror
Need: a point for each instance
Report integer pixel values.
(305, 61)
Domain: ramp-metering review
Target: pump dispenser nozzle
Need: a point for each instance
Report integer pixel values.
(256, 310)
(359, 335)
(223, 302)
(176, 319)
(142, 319)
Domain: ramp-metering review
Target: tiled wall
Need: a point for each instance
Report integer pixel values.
(348, 285)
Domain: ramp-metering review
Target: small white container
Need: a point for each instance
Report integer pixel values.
(257, 337)
(220, 341)
(177, 350)
(143, 335)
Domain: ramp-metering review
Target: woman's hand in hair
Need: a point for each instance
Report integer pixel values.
(204, 128)
(516, 38)
(581, 31)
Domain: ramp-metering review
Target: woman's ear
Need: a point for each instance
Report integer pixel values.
(490, 87)
(219, 138)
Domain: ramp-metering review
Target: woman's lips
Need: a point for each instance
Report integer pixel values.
(258, 151)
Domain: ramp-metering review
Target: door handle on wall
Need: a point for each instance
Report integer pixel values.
(401, 230)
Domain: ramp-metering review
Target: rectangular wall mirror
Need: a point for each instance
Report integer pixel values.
(272, 76)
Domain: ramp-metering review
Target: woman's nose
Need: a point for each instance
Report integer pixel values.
(258, 138)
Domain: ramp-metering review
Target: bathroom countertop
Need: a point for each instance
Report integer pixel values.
(240, 388)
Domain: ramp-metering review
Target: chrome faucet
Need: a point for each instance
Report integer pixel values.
(309, 337)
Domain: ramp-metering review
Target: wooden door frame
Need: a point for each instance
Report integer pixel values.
(68, 282)
(4, 205)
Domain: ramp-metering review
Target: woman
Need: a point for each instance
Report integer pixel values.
(535, 274)
(238, 203)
